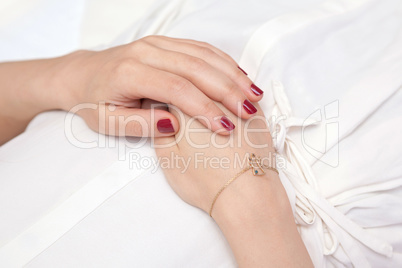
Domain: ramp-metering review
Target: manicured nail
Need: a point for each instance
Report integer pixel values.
(165, 126)
(242, 70)
(227, 124)
(256, 90)
(249, 107)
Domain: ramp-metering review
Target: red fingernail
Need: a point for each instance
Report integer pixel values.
(256, 90)
(249, 107)
(227, 124)
(165, 126)
(242, 70)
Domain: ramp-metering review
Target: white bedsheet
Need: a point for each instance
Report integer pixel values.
(332, 68)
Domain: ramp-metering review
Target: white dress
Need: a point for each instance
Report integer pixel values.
(331, 72)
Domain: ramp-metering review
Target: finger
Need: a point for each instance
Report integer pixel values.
(204, 44)
(211, 47)
(250, 90)
(224, 55)
(163, 144)
(122, 121)
(210, 81)
(172, 89)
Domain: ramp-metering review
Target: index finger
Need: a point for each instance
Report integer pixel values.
(173, 89)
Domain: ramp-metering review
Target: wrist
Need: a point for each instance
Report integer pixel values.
(24, 89)
(257, 221)
(253, 200)
(67, 79)
(35, 86)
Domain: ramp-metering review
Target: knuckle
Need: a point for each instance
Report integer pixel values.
(124, 67)
(232, 89)
(229, 90)
(206, 52)
(223, 54)
(150, 38)
(179, 86)
(205, 44)
(231, 60)
(209, 46)
(197, 65)
(209, 107)
(138, 47)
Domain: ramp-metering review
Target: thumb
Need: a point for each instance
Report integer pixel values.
(138, 122)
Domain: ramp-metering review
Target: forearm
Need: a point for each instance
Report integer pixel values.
(26, 89)
(256, 218)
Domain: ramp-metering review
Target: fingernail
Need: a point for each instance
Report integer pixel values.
(242, 70)
(249, 107)
(256, 90)
(165, 126)
(227, 124)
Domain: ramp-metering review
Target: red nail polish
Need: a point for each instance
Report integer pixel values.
(249, 107)
(227, 124)
(165, 126)
(242, 70)
(256, 90)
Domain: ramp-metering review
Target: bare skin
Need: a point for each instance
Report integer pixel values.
(186, 73)
(253, 212)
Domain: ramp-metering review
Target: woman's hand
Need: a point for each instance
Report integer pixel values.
(107, 88)
(188, 74)
(205, 161)
(253, 212)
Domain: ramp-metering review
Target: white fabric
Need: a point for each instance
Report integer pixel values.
(332, 76)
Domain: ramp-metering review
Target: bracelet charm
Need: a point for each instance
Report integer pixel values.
(254, 163)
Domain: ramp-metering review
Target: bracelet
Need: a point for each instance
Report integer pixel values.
(254, 163)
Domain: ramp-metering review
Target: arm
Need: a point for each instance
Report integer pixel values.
(186, 73)
(253, 212)
(25, 91)
(256, 218)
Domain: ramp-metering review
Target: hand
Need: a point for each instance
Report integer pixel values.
(253, 212)
(188, 74)
(208, 160)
